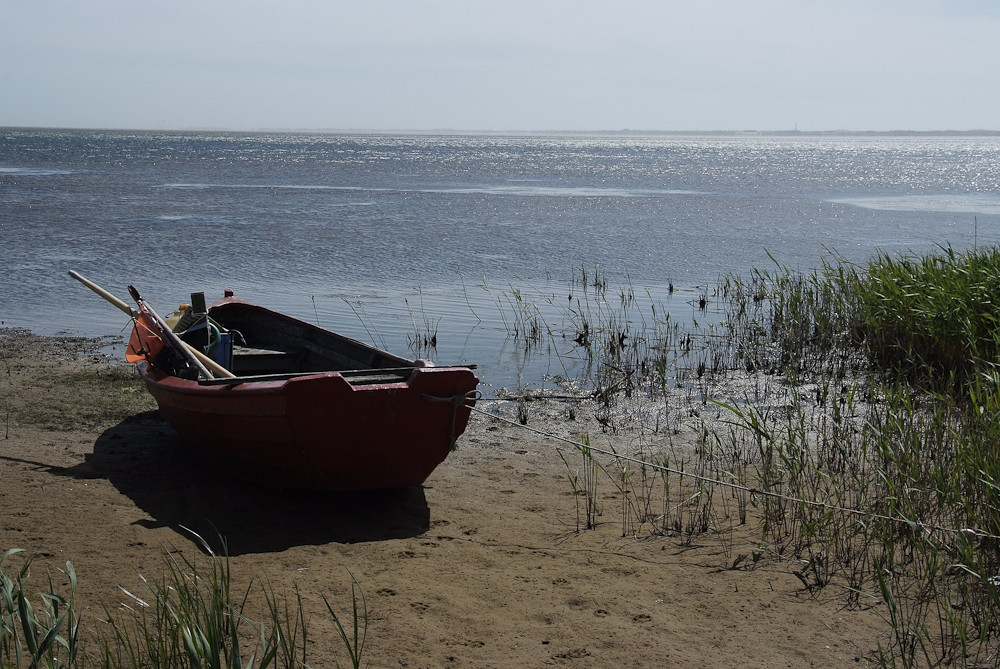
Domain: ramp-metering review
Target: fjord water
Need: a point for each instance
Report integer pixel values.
(381, 236)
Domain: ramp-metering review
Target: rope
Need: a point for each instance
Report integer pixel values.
(455, 401)
(967, 532)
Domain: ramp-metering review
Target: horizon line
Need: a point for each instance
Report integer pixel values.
(550, 131)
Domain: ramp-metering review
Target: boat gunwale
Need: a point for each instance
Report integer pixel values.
(389, 375)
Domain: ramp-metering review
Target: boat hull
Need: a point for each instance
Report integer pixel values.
(310, 408)
(320, 431)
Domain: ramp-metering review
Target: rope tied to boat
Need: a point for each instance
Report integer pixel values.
(967, 532)
(466, 400)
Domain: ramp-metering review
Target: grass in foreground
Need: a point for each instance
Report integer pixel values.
(190, 617)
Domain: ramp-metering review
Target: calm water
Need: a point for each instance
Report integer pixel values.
(379, 235)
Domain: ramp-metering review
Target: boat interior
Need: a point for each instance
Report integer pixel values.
(252, 341)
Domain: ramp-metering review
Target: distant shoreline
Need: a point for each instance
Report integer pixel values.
(542, 133)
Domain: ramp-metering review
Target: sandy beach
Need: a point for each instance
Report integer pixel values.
(484, 566)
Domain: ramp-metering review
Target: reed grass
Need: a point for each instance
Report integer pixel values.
(423, 339)
(191, 616)
(584, 483)
(355, 641)
(901, 355)
(932, 319)
(865, 446)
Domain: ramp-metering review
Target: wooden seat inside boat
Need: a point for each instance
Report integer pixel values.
(251, 360)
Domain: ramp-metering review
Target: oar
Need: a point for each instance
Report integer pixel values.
(105, 294)
(206, 361)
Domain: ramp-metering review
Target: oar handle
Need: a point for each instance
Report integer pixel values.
(219, 370)
(105, 294)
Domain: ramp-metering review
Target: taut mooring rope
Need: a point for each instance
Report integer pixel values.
(967, 532)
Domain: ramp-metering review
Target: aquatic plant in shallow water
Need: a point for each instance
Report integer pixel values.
(857, 457)
(934, 319)
(901, 354)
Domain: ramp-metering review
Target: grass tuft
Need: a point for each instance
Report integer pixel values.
(190, 617)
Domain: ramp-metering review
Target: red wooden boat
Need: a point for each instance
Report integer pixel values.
(307, 407)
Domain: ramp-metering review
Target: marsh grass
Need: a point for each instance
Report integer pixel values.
(880, 473)
(354, 641)
(424, 337)
(584, 483)
(902, 430)
(358, 309)
(863, 442)
(850, 414)
(932, 319)
(45, 633)
(190, 616)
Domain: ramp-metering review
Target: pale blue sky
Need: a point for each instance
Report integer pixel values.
(502, 64)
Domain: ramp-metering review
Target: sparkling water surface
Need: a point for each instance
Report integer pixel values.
(387, 236)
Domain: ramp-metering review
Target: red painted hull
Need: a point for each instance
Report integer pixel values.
(321, 430)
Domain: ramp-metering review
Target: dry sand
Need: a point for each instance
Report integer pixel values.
(481, 567)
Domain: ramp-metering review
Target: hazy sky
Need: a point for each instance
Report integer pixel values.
(502, 64)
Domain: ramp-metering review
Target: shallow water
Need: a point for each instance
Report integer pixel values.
(390, 237)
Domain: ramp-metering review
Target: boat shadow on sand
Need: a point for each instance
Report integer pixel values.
(180, 487)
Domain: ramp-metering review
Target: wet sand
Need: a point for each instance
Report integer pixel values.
(483, 566)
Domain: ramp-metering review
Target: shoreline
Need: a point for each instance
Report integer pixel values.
(481, 566)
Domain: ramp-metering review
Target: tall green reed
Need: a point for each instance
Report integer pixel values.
(190, 616)
(901, 355)
(867, 443)
(43, 634)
